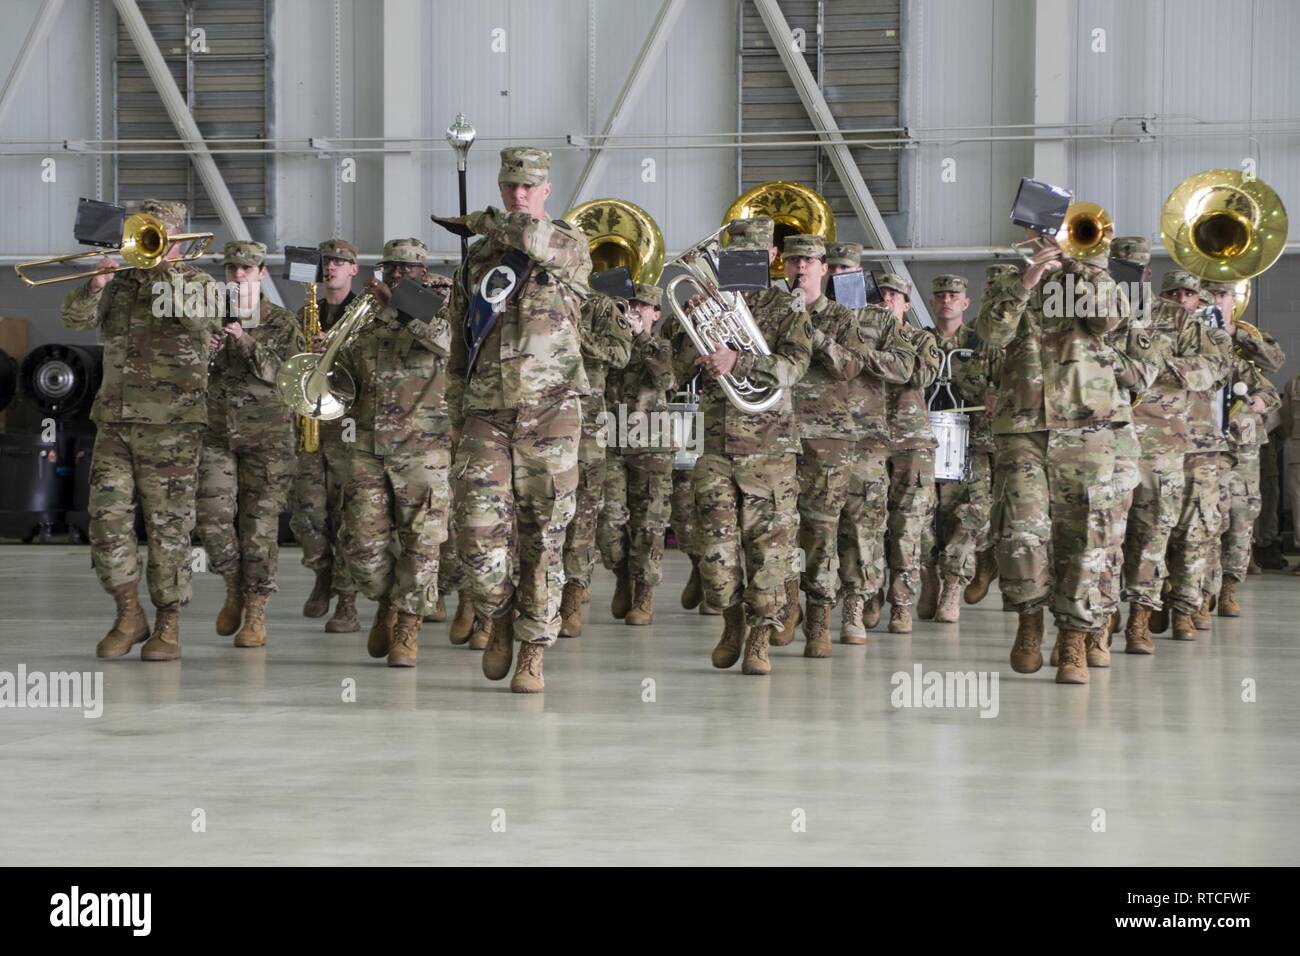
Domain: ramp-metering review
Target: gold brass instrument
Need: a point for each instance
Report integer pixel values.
(621, 233)
(1086, 231)
(310, 383)
(144, 244)
(720, 320)
(794, 208)
(308, 427)
(1223, 226)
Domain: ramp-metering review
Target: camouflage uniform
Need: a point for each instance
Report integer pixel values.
(248, 450)
(397, 487)
(606, 344)
(517, 464)
(1056, 440)
(150, 414)
(1290, 433)
(611, 527)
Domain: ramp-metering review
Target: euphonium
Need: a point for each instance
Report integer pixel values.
(310, 384)
(308, 427)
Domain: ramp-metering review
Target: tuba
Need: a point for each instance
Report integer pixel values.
(1223, 226)
(310, 384)
(794, 209)
(144, 244)
(621, 233)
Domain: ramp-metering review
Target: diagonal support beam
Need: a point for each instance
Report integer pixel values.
(188, 130)
(841, 157)
(655, 42)
(40, 29)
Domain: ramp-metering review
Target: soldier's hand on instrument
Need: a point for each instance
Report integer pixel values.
(1043, 260)
(1257, 405)
(98, 282)
(719, 363)
(379, 290)
(233, 329)
(317, 344)
(214, 342)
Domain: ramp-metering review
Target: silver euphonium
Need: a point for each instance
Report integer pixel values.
(720, 320)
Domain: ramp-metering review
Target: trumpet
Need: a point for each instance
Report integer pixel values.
(144, 244)
(310, 383)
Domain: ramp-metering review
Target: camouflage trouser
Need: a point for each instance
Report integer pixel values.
(746, 503)
(911, 511)
(316, 511)
(1239, 505)
(1157, 503)
(1054, 518)
(611, 530)
(397, 502)
(249, 486)
(1292, 487)
(1128, 474)
(517, 477)
(649, 490)
(451, 573)
(683, 512)
(580, 538)
(860, 539)
(159, 464)
(968, 534)
(1267, 525)
(1197, 531)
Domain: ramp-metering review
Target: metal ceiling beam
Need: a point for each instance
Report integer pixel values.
(840, 155)
(651, 50)
(40, 29)
(188, 129)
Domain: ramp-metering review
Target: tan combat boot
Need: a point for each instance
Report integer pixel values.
(1158, 623)
(462, 625)
(528, 673)
(406, 640)
(480, 633)
(643, 605)
(1254, 567)
(622, 602)
(165, 644)
(253, 633)
(1096, 647)
(817, 628)
(381, 631)
(1027, 651)
(344, 620)
(986, 572)
(1137, 636)
(871, 610)
(571, 610)
(129, 628)
(900, 619)
(928, 602)
(949, 609)
(499, 653)
(851, 629)
(756, 662)
(1203, 619)
(438, 613)
(693, 593)
(1073, 668)
(231, 614)
(790, 617)
(733, 636)
(318, 602)
(1184, 626)
(1228, 606)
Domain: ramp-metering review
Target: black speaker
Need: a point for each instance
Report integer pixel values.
(8, 379)
(61, 380)
(36, 486)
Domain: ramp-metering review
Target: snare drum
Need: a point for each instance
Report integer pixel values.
(952, 456)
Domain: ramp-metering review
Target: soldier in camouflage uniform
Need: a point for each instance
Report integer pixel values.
(1289, 433)
(150, 415)
(745, 483)
(517, 463)
(1197, 531)
(911, 461)
(647, 382)
(397, 494)
(606, 344)
(1184, 359)
(1268, 531)
(1056, 449)
(840, 400)
(611, 527)
(248, 450)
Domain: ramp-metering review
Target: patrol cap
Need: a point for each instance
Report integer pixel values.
(844, 254)
(405, 250)
(524, 164)
(892, 280)
(1213, 286)
(813, 247)
(1179, 279)
(649, 294)
(172, 212)
(948, 282)
(751, 233)
(1000, 269)
(338, 249)
(1134, 249)
(243, 252)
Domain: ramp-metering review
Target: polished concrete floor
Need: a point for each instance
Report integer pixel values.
(1159, 760)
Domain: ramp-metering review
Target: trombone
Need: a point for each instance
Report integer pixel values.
(144, 244)
(1086, 231)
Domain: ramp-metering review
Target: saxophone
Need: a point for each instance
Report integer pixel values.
(308, 427)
